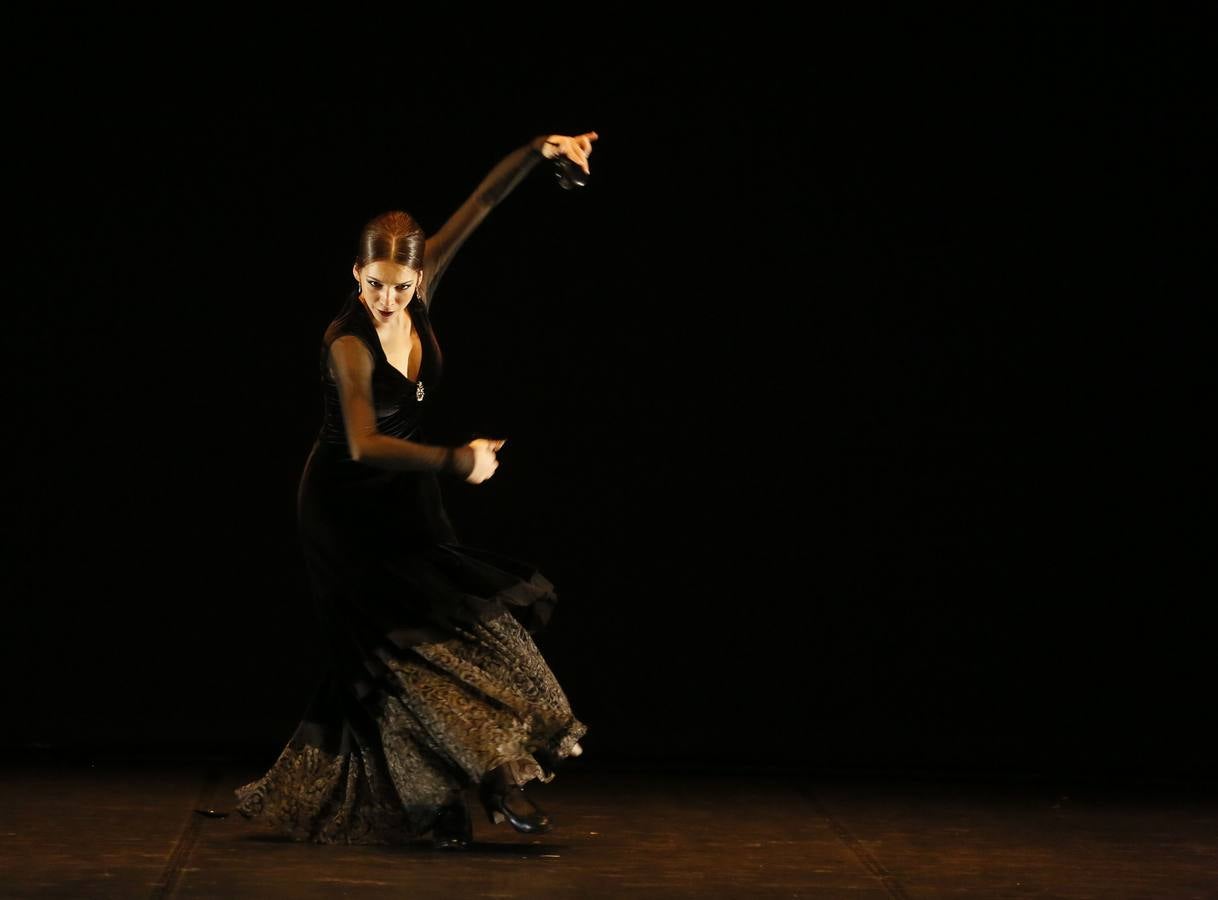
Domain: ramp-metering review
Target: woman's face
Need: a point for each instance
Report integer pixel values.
(386, 287)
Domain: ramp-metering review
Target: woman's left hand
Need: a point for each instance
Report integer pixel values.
(576, 149)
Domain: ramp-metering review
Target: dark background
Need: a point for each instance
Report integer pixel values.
(855, 407)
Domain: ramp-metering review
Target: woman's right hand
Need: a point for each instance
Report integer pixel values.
(485, 462)
(577, 149)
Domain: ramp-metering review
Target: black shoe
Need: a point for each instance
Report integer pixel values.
(453, 829)
(508, 802)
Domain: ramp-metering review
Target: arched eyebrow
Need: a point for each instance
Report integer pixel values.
(399, 284)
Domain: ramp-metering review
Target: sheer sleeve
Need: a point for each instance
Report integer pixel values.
(352, 361)
(498, 183)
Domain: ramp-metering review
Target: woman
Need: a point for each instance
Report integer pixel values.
(435, 683)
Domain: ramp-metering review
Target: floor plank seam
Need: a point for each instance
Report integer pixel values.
(890, 882)
(168, 882)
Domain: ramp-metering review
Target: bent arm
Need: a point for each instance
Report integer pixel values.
(500, 182)
(352, 362)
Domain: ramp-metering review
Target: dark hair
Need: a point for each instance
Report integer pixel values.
(394, 236)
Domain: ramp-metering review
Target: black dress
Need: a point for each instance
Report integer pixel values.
(434, 678)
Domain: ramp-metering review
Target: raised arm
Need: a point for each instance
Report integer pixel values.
(351, 361)
(498, 183)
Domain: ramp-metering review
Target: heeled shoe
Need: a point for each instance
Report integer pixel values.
(508, 801)
(453, 829)
(212, 813)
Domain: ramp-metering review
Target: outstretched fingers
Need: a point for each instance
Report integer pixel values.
(583, 144)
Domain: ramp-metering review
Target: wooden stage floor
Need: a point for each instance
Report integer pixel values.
(128, 829)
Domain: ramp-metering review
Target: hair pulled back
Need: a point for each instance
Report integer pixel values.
(393, 236)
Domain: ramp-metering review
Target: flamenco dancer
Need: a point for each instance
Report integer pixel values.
(435, 683)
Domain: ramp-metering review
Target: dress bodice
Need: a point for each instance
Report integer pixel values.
(399, 401)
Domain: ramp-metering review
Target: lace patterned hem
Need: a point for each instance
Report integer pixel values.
(450, 712)
(311, 795)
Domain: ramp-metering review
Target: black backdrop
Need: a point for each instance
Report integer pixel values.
(854, 406)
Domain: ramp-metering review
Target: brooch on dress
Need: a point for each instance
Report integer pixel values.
(418, 391)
